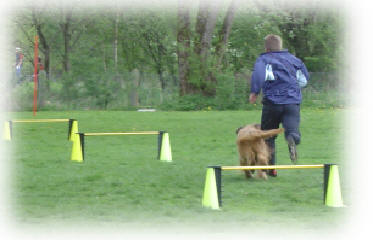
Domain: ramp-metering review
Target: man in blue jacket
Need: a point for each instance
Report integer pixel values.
(280, 76)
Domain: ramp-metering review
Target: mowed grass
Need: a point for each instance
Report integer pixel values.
(122, 182)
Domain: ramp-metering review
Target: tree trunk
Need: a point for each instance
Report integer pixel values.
(183, 47)
(65, 27)
(205, 25)
(161, 78)
(224, 33)
(200, 27)
(44, 47)
(47, 66)
(163, 83)
(133, 94)
(116, 42)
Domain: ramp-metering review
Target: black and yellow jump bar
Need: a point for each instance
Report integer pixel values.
(72, 125)
(123, 133)
(40, 120)
(212, 195)
(164, 147)
(159, 133)
(271, 167)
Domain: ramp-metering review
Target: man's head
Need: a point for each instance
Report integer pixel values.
(273, 43)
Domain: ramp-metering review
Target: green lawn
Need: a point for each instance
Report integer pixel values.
(121, 181)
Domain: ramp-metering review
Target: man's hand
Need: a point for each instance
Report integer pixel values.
(252, 98)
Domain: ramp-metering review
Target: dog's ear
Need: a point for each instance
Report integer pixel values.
(258, 126)
(238, 129)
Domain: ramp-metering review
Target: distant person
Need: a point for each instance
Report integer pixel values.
(280, 75)
(19, 62)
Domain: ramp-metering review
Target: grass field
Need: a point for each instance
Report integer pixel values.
(121, 182)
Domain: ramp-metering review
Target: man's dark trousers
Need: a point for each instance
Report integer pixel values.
(273, 115)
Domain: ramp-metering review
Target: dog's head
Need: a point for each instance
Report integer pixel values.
(257, 126)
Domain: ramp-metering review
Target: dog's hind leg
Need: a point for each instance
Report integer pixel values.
(243, 162)
(262, 160)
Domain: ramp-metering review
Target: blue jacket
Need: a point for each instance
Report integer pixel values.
(276, 74)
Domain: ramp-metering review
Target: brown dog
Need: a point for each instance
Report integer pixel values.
(252, 148)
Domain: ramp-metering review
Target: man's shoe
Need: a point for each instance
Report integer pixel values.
(272, 172)
(292, 150)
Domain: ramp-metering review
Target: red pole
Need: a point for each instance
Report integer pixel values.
(36, 56)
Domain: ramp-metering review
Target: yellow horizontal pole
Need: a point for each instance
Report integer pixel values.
(122, 133)
(39, 120)
(271, 167)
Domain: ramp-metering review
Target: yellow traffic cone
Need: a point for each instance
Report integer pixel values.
(7, 134)
(165, 151)
(73, 128)
(211, 192)
(333, 196)
(77, 149)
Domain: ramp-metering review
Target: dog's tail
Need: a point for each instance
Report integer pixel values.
(255, 134)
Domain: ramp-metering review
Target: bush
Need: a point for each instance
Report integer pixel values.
(189, 103)
(231, 94)
(22, 96)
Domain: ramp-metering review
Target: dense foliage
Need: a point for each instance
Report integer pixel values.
(184, 57)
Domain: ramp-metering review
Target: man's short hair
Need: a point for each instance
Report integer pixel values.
(273, 43)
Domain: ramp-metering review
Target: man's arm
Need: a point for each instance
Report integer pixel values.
(257, 80)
